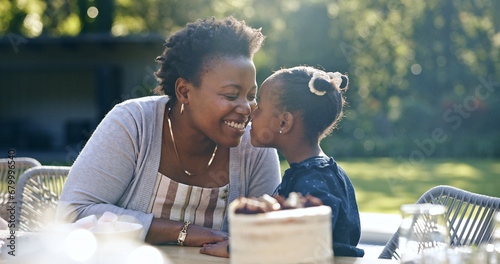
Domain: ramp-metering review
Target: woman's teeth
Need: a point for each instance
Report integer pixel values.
(235, 125)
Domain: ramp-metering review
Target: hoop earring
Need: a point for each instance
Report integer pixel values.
(182, 108)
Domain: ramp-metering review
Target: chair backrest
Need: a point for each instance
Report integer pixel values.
(470, 217)
(14, 167)
(38, 193)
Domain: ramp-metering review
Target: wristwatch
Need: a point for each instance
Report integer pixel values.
(183, 234)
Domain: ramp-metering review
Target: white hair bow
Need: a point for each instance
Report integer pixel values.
(335, 77)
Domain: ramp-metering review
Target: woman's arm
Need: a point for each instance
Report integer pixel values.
(105, 170)
(107, 173)
(164, 231)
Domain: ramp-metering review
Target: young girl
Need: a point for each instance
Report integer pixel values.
(297, 108)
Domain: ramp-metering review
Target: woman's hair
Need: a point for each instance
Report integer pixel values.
(188, 50)
(312, 94)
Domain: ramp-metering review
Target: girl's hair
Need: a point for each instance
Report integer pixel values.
(313, 95)
(188, 50)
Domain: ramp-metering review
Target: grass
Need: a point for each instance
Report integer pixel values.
(383, 184)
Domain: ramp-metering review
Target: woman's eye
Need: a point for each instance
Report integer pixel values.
(231, 96)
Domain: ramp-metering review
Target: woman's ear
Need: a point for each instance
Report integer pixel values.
(182, 90)
(286, 122)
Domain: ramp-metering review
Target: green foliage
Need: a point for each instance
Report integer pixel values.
(414, 66)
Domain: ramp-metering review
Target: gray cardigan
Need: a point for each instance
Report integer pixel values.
(117, 169)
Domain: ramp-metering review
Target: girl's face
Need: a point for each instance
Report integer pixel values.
(220, 107)
(265, 121)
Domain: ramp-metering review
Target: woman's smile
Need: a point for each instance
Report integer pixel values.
(236, 124)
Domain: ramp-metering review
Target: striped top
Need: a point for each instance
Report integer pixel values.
(198, 205)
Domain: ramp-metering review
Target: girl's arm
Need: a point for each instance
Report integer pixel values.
(220, 249)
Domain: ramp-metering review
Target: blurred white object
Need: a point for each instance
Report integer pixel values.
(86, 222)
(108, 226)
(108, 217)
(80, 246)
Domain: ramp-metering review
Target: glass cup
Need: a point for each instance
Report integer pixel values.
(423, 234)
(496, 234)
(489, 253)
(495, 258)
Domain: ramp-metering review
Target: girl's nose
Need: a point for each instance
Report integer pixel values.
(253, 106)
(252, 114)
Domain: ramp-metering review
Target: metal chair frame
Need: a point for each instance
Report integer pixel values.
(38, 193)
(470, 217)
(15, 167)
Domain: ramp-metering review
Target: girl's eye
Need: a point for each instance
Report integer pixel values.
(231, 96)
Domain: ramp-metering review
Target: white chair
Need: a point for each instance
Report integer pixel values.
(14, 167)
(38, 193)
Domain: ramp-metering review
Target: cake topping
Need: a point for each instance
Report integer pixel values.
(266, 203)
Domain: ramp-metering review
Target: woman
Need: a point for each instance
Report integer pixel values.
(175, 162)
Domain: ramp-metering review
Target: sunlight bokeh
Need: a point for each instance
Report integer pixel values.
(145, 254)
(80, 245)
(92, 12)
(70, 26)
(33, 25)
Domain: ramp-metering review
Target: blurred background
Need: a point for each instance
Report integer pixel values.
(423, 100)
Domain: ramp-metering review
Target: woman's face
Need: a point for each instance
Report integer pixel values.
(220, 107)
(265, 121)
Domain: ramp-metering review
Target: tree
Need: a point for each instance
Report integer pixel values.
(414, 66)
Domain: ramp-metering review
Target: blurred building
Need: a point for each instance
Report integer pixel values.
(55, 91)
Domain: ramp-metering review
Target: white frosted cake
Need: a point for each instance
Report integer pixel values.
(300, 235)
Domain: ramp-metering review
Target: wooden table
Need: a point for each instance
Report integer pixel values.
(174, 254)
(192, 255)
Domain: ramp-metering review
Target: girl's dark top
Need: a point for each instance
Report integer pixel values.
(321, 177)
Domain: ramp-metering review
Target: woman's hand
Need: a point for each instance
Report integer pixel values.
(198, 236)
(217, 249)
(164, 231)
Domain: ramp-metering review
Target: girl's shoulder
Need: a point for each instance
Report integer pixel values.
(319, 162)
(319, 168)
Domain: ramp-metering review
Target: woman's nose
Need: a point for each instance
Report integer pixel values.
(245, 107)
